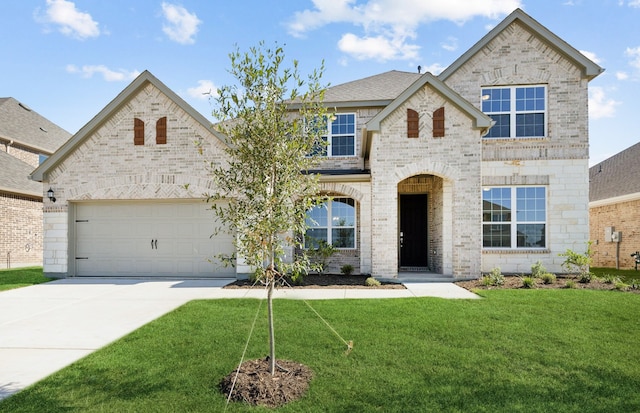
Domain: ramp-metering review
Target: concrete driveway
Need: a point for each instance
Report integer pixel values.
(46, 327)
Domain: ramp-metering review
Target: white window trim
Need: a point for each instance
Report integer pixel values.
(514, 222)
(330, 136)
(513, 112)
(330, 227)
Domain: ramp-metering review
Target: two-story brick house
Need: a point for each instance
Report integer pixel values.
(483, 166)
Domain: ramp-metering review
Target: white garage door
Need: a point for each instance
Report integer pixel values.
(156, 239)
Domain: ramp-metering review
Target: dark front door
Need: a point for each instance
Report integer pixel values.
(413, 231)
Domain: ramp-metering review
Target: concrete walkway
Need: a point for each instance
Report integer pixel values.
(46, 327)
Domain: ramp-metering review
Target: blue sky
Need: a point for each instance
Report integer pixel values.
(67, 59)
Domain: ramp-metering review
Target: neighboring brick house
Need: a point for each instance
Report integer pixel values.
(25, 139)
(483, 166)
(614, 209)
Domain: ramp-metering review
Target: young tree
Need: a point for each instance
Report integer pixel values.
(266, 183)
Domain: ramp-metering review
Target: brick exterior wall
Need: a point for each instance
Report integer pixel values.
(21, 236)
(625, 218)
(455, 159)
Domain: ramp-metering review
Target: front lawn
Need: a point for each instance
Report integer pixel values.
(21, 277)
(513, 351)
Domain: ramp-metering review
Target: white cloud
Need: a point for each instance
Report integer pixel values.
(434, 69)
(451, 44)
(391, 22)
(204, 90)
(109, 75)
(591, 56)
(70, 20)
(377, 48)
(634, 3)
(181, 26)
(600, 106)
(634, 55)
(622, 75)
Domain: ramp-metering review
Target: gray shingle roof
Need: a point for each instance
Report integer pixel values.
(26, 127)
(15, 176)
(616, 176)
(379, 89)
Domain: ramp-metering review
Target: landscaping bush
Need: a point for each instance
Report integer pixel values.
(538, 270)
(610, 279)
(570, 284)
(495, 277)
(346, 269)
(548, 278)
(371, 282)
(528, 282)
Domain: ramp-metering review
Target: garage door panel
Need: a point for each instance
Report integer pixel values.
(116, 238)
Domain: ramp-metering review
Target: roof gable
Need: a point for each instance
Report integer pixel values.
(115, 105)
(480, 120)
(589, 68)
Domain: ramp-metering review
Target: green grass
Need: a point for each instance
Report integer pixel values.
(625, 275)
(21, 277)
(514, 351)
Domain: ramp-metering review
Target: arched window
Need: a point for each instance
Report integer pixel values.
(333, 222)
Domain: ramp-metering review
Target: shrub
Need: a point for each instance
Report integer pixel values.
(610, 279)
(538, 270)
(371, 282)
(495, 277)
(528, 282)
(321, 254)
(635, 284)
(548, 278)
(620, 286)
(346, 269)
(578, 263)
(570, 284)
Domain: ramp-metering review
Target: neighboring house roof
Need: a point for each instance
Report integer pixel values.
(14, 177)
(617, 176)
(25, 127)
(87, 130)
(589, 68)
(377, 90)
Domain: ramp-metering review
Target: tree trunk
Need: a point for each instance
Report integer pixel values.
(272, 343)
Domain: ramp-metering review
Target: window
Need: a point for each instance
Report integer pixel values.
(519, 111)
(333, 222)
(501, 228)
(138, 132)
(161, 131)
(341, 136)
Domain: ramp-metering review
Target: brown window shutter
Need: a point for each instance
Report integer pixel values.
(413, 124)
(161, 131)
(438, 123)
(138, 132)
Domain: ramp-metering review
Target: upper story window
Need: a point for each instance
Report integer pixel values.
(519, 111)
(514, 217)
(341, 135)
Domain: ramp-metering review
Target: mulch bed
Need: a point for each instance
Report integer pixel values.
(323, 281)
(255, 385)
(515, 282)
